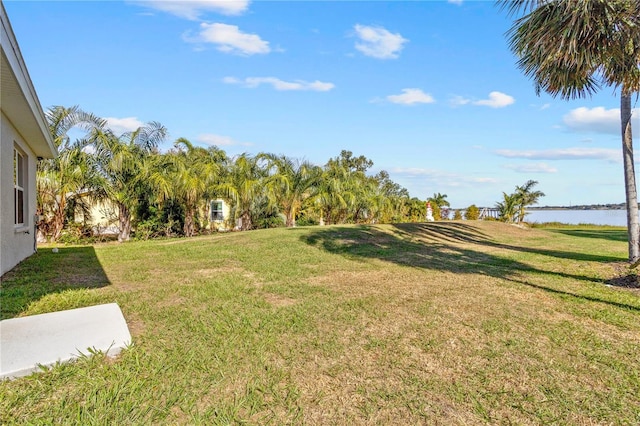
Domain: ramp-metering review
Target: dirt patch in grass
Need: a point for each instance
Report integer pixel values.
(86, 280)
(279, 301)
(172, 300)
(624, 277)
(136, 324)
(213, 272)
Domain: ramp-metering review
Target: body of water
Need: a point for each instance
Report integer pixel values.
(574, 217)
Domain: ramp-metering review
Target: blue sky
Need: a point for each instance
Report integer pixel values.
(428, 90)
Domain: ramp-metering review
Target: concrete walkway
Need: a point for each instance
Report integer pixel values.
(45, 339)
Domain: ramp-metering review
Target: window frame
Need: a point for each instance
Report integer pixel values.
(20, 186)
(217, 214)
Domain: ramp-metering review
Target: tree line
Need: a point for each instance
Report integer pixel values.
(169, 193)
(153, 193)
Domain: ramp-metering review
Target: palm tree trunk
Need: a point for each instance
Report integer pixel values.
(58, 218)
(246, 221)
(124, 219)
(290, 214)
(188, 222)
(633, 228)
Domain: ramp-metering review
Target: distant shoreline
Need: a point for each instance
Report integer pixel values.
(583, 207)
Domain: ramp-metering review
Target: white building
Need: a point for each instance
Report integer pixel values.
(24, 137)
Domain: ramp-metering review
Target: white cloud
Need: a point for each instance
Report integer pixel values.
(411, 97)
(377, 42)
(230, 39)
(219, 140)
(532, 168)
(598, 120)
(190, 9)
(276, 83)
(456, 101)
(612, 155)
(123, 125)
(496, 100)
(456, 2)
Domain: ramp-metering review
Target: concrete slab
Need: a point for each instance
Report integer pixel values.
(45, 339)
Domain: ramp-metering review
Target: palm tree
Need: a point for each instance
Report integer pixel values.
(439, 200)
(572, 47)
(65, 178)
(331, 196)
(244, 184)
(526, 197)
(120, 162)
(195, 172)
(291, 184)
(368, 201)
(508, 207)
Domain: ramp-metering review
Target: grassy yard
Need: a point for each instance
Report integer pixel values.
(440, 323)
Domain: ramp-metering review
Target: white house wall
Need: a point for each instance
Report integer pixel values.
(16, 243)
(23, 125)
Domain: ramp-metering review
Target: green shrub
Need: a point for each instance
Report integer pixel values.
(435, 209)
(76, 233)
(275, 221)
(472, 213)
(305, 220)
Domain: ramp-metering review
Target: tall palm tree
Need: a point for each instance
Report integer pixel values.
(572, 47)
(120, 161)
(195, 172)
(526, 197)
(439, 200)
(508, 207)
(331, 197)
(68, 176)
(291, 183)
(244, 184)
(438, 203)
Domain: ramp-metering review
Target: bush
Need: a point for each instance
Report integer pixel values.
(457, 215)
(304, 220)
(472, 213)
(435, 210)
(150, 228)
(264, 222)
(76, 233)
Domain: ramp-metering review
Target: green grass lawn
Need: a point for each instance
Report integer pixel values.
(439, 323)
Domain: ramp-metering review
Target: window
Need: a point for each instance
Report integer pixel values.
(216, 210)
(19, 184)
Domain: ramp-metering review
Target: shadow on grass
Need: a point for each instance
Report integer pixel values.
(605, 234)
(451, 247)
(460, 232)
(45, 273)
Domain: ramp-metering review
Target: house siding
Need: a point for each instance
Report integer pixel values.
(217, 224)
(23, 125)
(16, 242)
